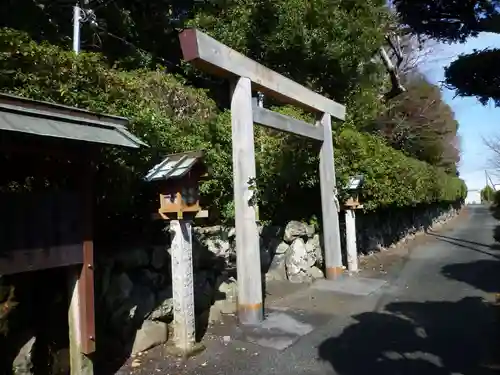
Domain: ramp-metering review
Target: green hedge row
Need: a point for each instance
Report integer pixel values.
(392, 178)
(171, 117)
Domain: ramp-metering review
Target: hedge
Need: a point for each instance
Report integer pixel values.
(391, 177)
(172, 116)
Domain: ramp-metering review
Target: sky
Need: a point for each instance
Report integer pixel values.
(476, 122)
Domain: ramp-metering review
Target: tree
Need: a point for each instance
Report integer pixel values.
(327, 45)
(482, 77)
(421, 124)
(450, 20)
(455, 21)
(487, 194)
(173, 117)
(324, 44)
(493, 144)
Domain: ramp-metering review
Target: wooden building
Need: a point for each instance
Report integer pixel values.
(46, 199)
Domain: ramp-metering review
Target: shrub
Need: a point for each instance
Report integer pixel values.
(172, 117)
(488, 194)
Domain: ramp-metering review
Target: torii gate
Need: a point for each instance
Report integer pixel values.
(212, 56)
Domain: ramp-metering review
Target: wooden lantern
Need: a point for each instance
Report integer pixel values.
(179, 177)
(355, 184)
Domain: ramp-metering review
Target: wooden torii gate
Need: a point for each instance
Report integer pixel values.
(212, 56)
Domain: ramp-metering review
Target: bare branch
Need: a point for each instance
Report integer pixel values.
(493, 145)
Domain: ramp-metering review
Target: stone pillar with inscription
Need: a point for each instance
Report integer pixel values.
(182, 286)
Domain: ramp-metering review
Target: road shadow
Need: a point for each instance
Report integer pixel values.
(474, 248)
(432, 338)
(457, 241)
(481, 274)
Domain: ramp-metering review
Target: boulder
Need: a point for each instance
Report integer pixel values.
(313, 246)
(225, 301)
(294, 230)
(310, 230)
(119, 290)
(277, 270)
(316, 273)
(164, 306)
(218, 246)
(203, 290)
(230, 289)
(150, 334)
(282, 248)
(299, 277)
(298, 252)
(159, 256)
(269, 233)
(208, 231)
(265, 258)
(133, 258)
(146, 277)
(203, 258)
(298, 261)
(23, 363)
(142, 301)
(215, 315)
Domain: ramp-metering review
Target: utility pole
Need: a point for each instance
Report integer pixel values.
(76, 28)
(489, 181)
(81, 15)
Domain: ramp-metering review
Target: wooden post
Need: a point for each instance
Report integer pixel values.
(80, 363)
(182, 286)
(250, 308)
(81, 282)
(352, 251)
(331, 230)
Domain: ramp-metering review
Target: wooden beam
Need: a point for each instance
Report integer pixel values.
(18, 261)
(203, 214)
(211, 55)
(87, 275)
(287, 124)
(331, 230)
(250, 307)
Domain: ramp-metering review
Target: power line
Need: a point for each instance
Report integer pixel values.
(101, 4)
(134, 46)
(88, 15)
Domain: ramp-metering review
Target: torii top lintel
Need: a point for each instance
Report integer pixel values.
(214, 57)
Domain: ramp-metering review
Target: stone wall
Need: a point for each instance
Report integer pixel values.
(134, 286)
(383, 229)
(134, 293)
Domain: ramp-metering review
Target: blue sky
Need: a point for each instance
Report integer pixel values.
(475, 120)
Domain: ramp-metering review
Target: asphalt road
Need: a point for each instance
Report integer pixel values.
(432, 318)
